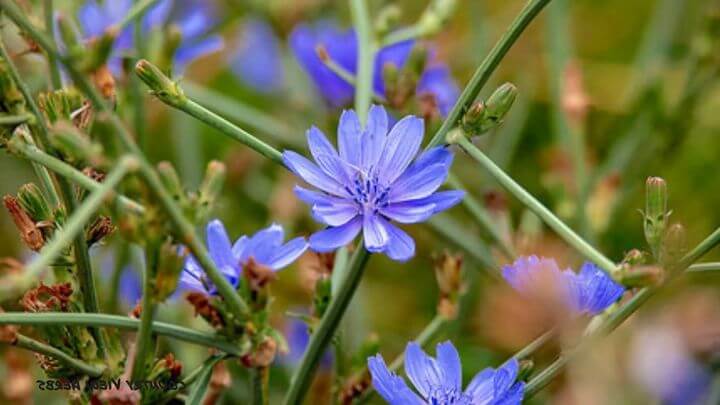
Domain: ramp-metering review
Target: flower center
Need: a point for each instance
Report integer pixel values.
(448, 396)
(368, 193)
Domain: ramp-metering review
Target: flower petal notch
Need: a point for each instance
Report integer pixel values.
(438, 380)
(265, 248)
(373, 178)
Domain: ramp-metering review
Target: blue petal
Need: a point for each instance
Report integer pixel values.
(374, 233)
(444, 199)
(190, 51)
(391, 387)
(219, 244)
(312, 174)
(481, 388)
(400, 246)
(437, 155)
(422, 370)
(262, 245)
(409, 212)
(375, 135)
(93, 19)
(401, 146)
(334, 237)
(349, 138)
(438, 81)
(287, 253)
(157, 15)
(597, 290)
(258, 58)
(239, 247)
(513, 396)
(418, 185)
(335, 168)
(336, 213)
(397, 55)
(449, 361)
(319, 144)
(505, 376)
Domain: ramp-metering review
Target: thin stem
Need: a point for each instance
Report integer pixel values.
(322, 336)
(143, 339)
(536, 206)
(137, 11)
(535, 345)
(366, 57)
(487, 67)
(182, 226)
(15, 119)
(120, 322)
(401, 35)
(55, 78)
(702, 268)
(33, 345)
(260, 385)
(476, 209)
(36, 155)
(73, 227)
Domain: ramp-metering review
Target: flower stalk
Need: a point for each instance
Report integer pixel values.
(27, 343)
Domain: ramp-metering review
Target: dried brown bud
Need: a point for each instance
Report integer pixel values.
(82, 117)
(136, 311)
(8, 333)
(46, 298)
(354, 388)
(99, 229)
(172, 365)
(448, 272)
(94, 174)
(29, 232)
(104, 81)
(262, 355)
(574, 98)
(258, 275)
(219, 382)
(205, 309)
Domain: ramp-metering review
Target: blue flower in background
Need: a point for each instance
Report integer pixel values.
(372, 180)
(298, 338)
(439, 380)
(265, 248)
(341, 46)
(590, 291)
(195, 19)
(258, 58)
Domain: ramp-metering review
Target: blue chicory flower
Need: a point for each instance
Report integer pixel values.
(590, 291)
(372, 180)
(439, 380)
(298, 338)
(265, 248)
(258, 59)
(342, 48)
(195, 19)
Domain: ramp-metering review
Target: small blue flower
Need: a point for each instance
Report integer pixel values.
(130, 287)
(298, 338)
(439, 380)
(590, 291)
(265, 248)
(342, 48)
(372, 180)
(195, 19)
(258, 58)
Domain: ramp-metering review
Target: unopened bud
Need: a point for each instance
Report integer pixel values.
(171, 181)
(61, 104)
(171, 43)
(11, 99)
(99, 51)
(416, 61)
(527, 366)
(32, 201)
(642, 276)
(167, 367)
(635, 257)
(262, 355)
(674, 245)
(210, 188)
(484, 116)
(206, 308)
(656, 213)
(105, 82)
(69, 35)
(170, 264)
(162, 86)
(448, 272)
(257, 275)
(98, 230)
(29, 231)
(75, 146)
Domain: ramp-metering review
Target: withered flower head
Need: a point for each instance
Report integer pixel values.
(448, 272)
(29, 231)
(46, 298)
(257, 275)
(172, 365)
(262, 355)
(205, 309)
(99, 229)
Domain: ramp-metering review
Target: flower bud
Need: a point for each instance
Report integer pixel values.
(170, 45)
(448, 272)
(262, 355)
(527, 366)
(33, 201)
(162, 87)
(416, 62)
(29, 232)
(98, 230)
(674, 245)
(69, 35)
(634, 258)
(206, 308)
(656, 213)
(75, 146)
(171, 181)
(642, 276)
(62, 104)
(210, 188)
(484, 116)
(166, 368)
(99, 51)
(11, 99)
(170, 265)
(322, 295)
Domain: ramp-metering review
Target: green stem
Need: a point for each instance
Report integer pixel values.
(322, 336)
(137, 11)
(533, 346)
(120, 322)
(144, 339)
(487, 67)
(33, 345)
(403, 34)
(226, 127)
(476, 209)
(366, 57)
(182, 226)
(36, 155)
(702, 268)
(536, 206)
(73, 227)
(15, 119)
(55, 78)
(616, 318)
(260, 385)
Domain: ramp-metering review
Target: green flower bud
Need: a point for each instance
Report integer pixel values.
(656, 213)
(11, 99)
(162, 86)
(527, 366)
(75, 146)
(69, 34)
(171, 181)
(61, 104)
(484, 116)
(322, 296)
(170, 45)
(674, 245)
(170, 264)
(99, 51)
(210, 188)
(33, 201)
(642, 276)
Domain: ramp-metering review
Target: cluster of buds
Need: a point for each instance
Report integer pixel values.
(196, 205)
(66, 104)
(262, 354)
(171, 259)
(483, 116)
(46, 298)
(448, 272)
(667, 243)
(207, 308)
(400, 83)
